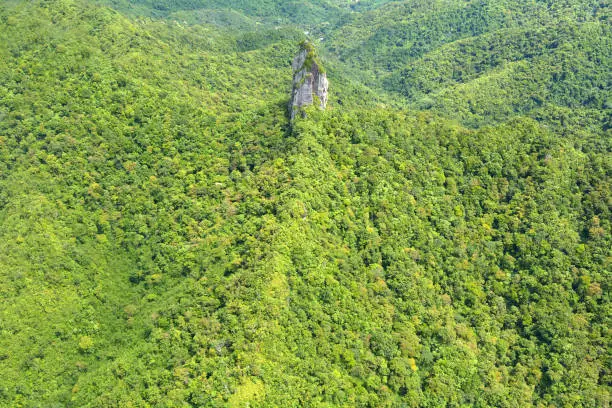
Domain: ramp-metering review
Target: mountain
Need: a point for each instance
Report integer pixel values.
(484, 62)
(438, 236)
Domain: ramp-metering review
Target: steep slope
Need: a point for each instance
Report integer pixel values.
(310, 85)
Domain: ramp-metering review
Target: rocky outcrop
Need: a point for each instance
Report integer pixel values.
(310, 83)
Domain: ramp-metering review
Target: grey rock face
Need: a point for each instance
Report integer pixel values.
(310, 83)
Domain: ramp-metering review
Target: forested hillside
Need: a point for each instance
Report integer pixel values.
(303, 13)
(485, 62)
(439, 236)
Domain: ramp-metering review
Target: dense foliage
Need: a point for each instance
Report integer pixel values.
(169, 239)
(225, 12)
(488, 61)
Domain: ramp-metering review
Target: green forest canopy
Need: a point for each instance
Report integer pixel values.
(440, 236)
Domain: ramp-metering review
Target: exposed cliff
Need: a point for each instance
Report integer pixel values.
(310, 83)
